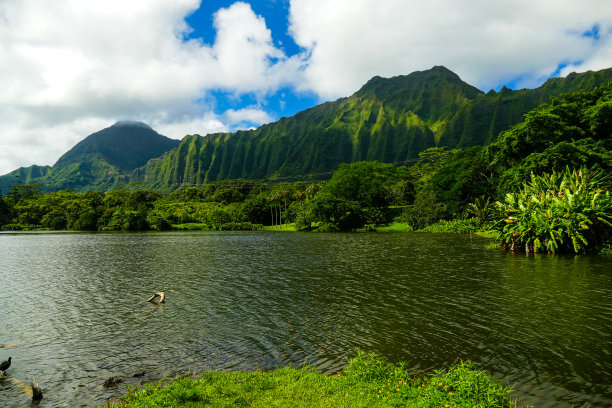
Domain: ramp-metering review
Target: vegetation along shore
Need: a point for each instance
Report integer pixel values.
(368, 381)
(543, 185)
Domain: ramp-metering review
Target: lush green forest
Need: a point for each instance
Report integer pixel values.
(543, 185)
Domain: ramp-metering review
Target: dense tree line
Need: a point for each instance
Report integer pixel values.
(572, 131)
(485, 185)
(357, 194)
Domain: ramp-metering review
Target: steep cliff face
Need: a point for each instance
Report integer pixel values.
(388, 119)
(481, 121)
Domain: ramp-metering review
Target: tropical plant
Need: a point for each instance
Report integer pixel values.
(561, 212)
(481, 208)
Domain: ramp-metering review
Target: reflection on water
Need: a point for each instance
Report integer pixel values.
(73, 309)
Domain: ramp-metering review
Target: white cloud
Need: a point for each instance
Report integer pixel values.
(207, 123)
(247, 117)
(66, 67)
(69, 68)
(485, 42)
(41, 145)
(595, 61)
(228, 121)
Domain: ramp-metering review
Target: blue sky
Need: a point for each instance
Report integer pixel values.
(73, 67)
(275, 13)
(284, 102)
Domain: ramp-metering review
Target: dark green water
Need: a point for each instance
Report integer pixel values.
(73, 309)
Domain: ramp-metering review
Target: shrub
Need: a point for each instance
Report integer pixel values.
(87, 221)
(425, 210)
(13, 227)
(455, 226)
(561, 212)
(160, 223)
(239, 226)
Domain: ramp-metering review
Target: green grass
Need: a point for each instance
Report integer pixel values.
(283, 227)
(367, 382)
(458, 226)
(396, 226)
(190, 226)
(487, 234)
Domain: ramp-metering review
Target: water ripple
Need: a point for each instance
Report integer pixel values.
(74, 313)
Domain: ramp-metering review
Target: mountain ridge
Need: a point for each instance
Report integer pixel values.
(387, 119)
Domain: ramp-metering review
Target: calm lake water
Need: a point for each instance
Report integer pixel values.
(73, 309)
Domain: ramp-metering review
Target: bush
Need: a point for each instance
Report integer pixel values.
(160, 223)
(87, 221)
(13, 227)
(330, 210)
(425, 211)
(239, 226)
(54, 220)
(455, 226)
(135, 221)
(304, 219)
(561, 212)
(218, 217)
(328, 227)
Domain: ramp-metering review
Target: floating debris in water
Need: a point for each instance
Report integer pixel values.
(36, 391)
(161, 295)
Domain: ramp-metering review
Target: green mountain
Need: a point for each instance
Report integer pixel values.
(23, 175)
(101, 161)
(480, 122)
(126, 145)
(388, 119)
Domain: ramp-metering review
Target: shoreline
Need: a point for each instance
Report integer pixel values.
(367, 381)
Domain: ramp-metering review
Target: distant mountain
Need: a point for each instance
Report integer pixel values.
(126, 145)
(388, 119)
(23, 175)
(101, 161)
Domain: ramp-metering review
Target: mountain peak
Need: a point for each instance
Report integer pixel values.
(126, 144)
(438, 76)
(131, 123)
(442, 69)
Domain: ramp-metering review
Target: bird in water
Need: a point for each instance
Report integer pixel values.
(5, 365)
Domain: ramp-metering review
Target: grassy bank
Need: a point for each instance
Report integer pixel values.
(366, 382)
(283, 227)
(395, 227)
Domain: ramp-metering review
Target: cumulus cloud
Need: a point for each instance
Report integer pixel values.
(209, 122)
(203, 125)
(23, 144)
(485, 42)
(599, 58)
(247, 116)
(69, 66)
